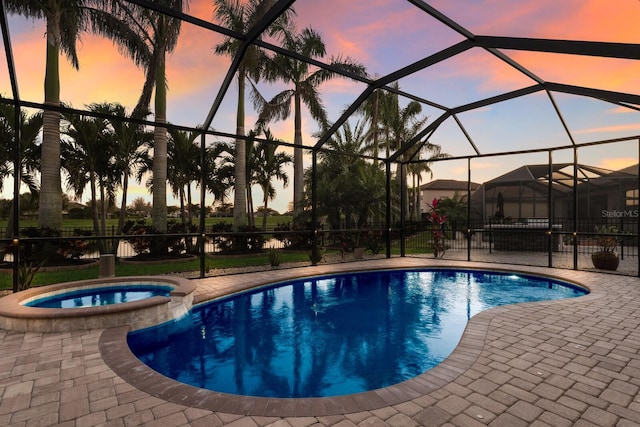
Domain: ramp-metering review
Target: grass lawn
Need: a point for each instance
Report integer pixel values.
(68, 223)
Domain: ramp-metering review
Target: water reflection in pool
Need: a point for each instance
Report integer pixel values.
(332, 335)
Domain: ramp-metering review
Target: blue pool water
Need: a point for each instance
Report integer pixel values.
(100, 296)
(335, 335)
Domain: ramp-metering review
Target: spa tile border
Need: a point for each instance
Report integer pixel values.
(14, 315)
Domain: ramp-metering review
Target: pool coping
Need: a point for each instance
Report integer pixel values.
(14, 315)
(117, 355)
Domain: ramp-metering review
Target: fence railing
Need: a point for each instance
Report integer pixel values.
(555, 243)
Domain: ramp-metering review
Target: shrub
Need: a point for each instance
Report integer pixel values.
(145, 239)
(26, 274)
(292, 237)
(50, 248)
(274, 258)
(373, 241)
(222, 241)
(138, 229)
(246, 240)
(75, 249)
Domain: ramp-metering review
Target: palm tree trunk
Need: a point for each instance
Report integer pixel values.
(159, 212)
(189, 206)
(123, 212)
(298, 167)
(183, 214)
(414, 197)
(94, 203)
(240, 191)
(103, 211)
(9, 230)
(265, 212)
(50, 206)
(419, 200)
(374, 124)
(250, 218)
(123, 203)
(188, 242)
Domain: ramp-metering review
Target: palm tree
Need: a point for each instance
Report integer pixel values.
(65, 20)
(156, 34)
(343, 177)
(30, 127)
(304, 82)
(128, 140)
(183, 168)
(269, 165)
(220, 172)
(374, 109)
(401, 125)
(455, 209)
(88, 158)
(420, 166)
(251, 166)
(242, 17)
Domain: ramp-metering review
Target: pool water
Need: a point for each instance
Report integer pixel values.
(335, 335)
(95, 297)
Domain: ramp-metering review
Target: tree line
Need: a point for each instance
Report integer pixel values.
(101, 152)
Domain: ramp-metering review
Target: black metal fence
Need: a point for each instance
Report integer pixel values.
(559, 243)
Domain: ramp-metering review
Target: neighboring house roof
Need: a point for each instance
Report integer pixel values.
(631, 170)
(449, 184)
(560, 172)
(74, 205)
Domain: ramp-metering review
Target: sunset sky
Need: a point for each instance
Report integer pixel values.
(386, 35)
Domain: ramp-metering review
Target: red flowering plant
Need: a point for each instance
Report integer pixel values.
(437, 221)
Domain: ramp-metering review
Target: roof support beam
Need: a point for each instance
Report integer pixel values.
(461, 109)
(498, 98)
(559, 114)
(390, 78)
(442, 18)
(570, 47)
(466, 134)
(151, 5)
(603, 95)
(427, 130)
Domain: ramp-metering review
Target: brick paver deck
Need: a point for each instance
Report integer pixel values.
(560, 363)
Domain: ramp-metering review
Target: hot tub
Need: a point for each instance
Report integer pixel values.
(16, 315)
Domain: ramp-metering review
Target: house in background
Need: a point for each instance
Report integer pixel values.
(442, 188)
(523, 193)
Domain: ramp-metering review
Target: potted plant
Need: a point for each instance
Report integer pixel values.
(606, 257)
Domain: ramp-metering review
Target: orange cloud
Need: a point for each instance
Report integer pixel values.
(104, 75)
(603, 73)
(608, 129)
(595, 20)
(29, 57)
(618, 163)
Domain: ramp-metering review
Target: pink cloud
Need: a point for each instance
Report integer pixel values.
(609, 129)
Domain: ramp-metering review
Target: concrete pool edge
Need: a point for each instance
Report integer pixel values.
(117, 355)
(14, 315)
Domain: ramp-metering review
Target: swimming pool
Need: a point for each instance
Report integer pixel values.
(334, 335)
(98, 296)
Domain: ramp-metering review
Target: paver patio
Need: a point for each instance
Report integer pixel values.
(560, 363)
